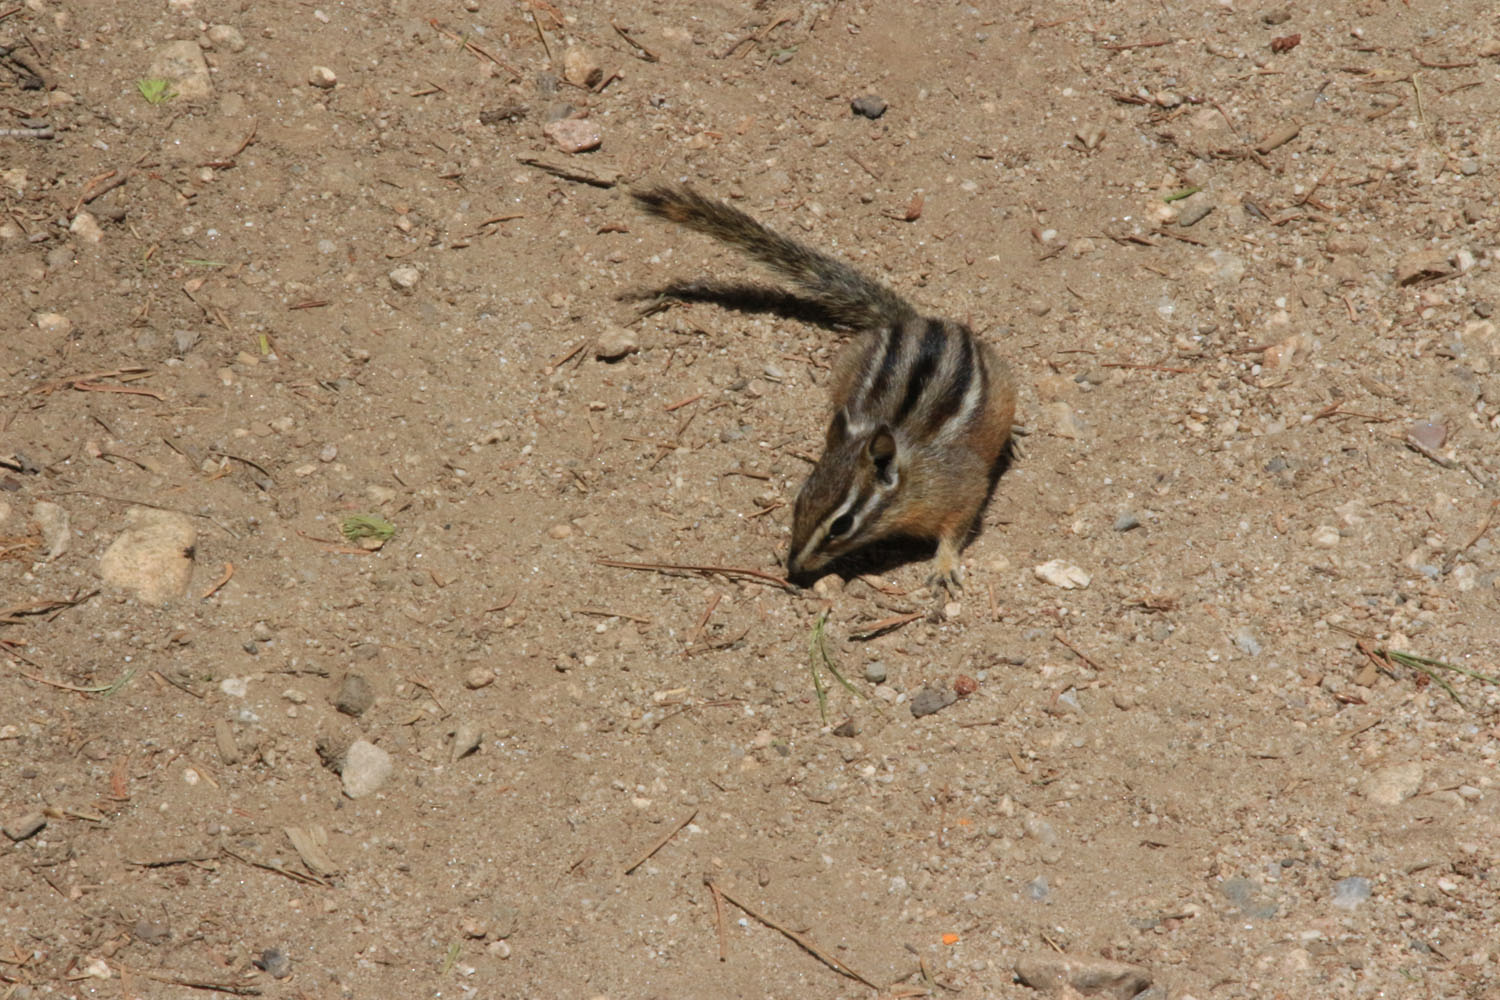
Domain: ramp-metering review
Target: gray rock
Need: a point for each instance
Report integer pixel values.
(1128, 521)
(366, 769)
(275, 961)
(1193, 208)
(1245, 641)
(869, 105)
(1098, 976)
(875, 672)
(1245, 896)
(930, 700)
(151, 931)
(355, 696)
(1350, 893)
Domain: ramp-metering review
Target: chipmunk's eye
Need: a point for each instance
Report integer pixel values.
(840, 526)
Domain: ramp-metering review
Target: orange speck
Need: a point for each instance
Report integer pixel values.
(965, 821)
(950, 939)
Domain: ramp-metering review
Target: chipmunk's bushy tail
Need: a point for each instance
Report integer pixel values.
(848, 296)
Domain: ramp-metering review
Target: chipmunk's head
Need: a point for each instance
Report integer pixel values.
(846, 501)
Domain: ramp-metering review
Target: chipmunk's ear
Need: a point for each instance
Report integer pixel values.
(881, 450)
(838, 429)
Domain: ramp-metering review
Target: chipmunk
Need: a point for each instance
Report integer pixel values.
(922, 408)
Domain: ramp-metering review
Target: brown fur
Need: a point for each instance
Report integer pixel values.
(894, 462)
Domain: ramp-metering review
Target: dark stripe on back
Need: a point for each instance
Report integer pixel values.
(888, 362)
(928, 355)
(948, 403)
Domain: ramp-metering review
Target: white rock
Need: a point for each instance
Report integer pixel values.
(53, 521)
(235, 687)
(579, 67)
(366, 768)
(1325, 536)
(153, 557)
(322, 77)
(53, 324)
(614, 343)
(405, 278)
(1393, 784)
(1061, 574)
(86, 227)
(182, 62)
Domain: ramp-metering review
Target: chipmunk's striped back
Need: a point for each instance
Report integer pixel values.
(922, 408)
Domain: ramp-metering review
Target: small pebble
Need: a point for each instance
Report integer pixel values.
(404, 279)
(560, 531)
(1056, 974)
(574, 135)
(53, 324)
(1325, 536)
(1349, 893)
(1393, 784)
(875, 672)
(328, 453)
(25, 827)
(930, 700)
(1128, 521)
(366, 769)
(579, 67)
(479, 677)
(466, 739)
(86, 228)
(870, 106)
(1428, 434)
(1193, 208)
(275, 961)
(322, 77)
(355, 696)
(1421, 265)
(1061, 574)
(500, 949)
(151, 931)
(615, 343)
(226, 36)
(964, 685)
(1246, 641)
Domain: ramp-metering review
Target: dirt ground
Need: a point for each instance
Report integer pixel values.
(329, 278)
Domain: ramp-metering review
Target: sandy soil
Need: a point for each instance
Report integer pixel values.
(1260, 421)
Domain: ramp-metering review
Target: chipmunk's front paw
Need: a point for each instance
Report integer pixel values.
(946, 581)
